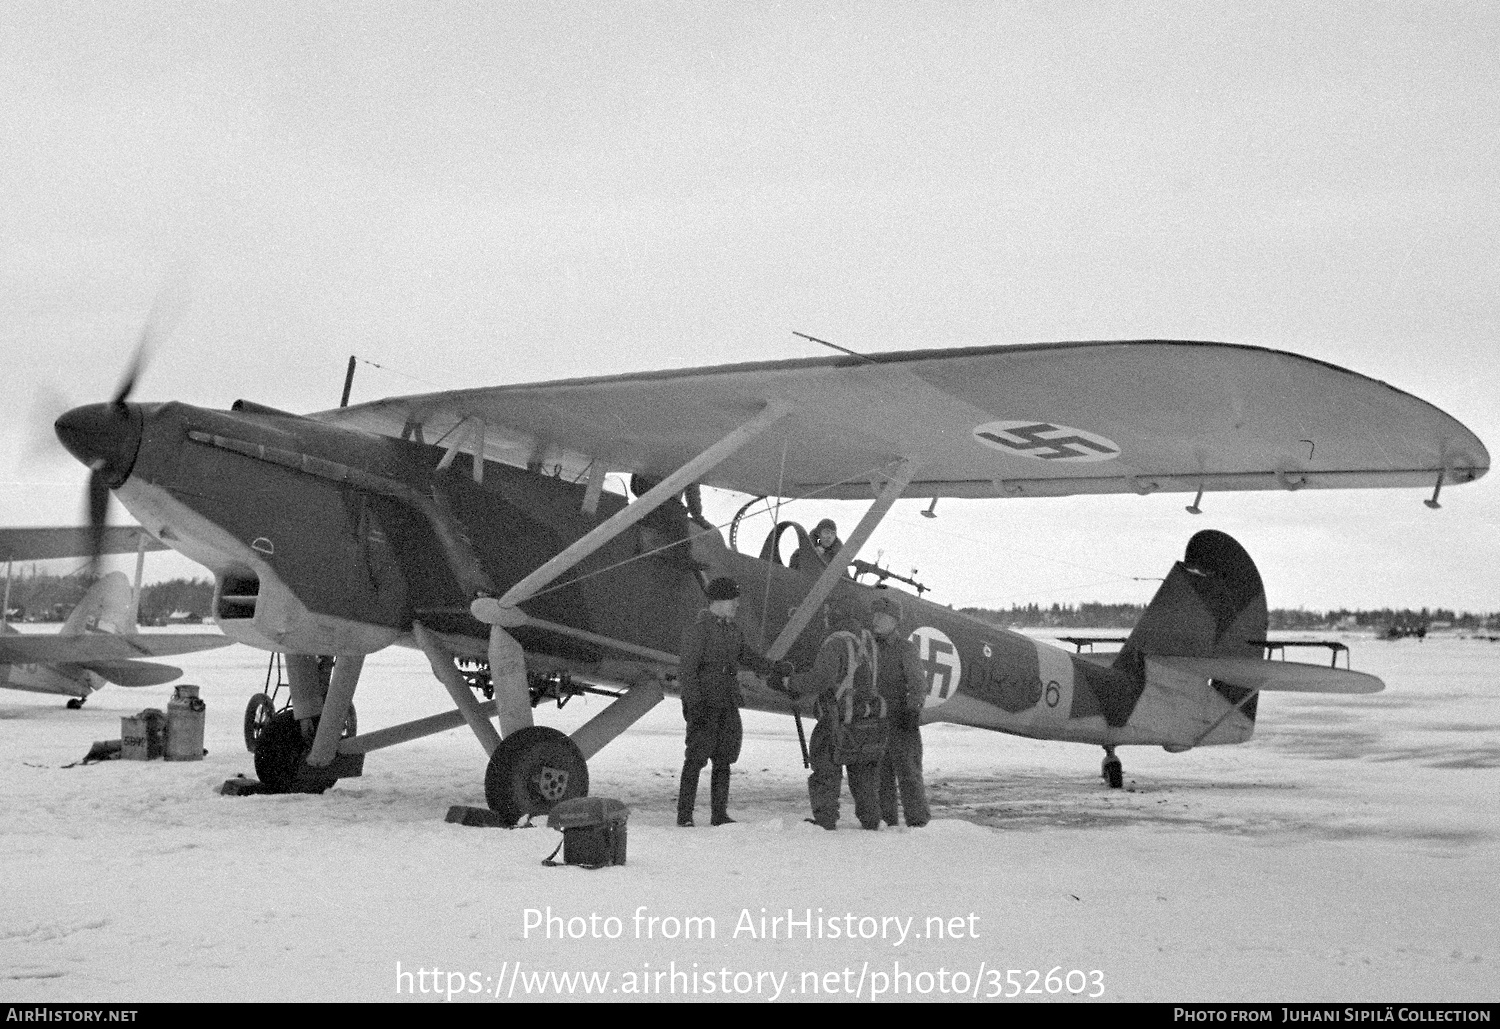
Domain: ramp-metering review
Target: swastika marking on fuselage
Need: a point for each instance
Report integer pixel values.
(1045, 441)
(940, 663)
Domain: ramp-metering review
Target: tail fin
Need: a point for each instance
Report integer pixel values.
(106, 607)
(1212, 604)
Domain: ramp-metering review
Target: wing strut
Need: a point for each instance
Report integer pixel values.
(493, 611)
(507, 660)
(898, 478)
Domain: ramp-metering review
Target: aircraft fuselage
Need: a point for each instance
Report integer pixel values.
(328, 540)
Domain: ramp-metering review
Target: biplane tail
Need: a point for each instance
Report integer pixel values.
(108, 606)
(1211, 606)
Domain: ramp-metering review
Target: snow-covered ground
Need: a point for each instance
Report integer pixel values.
(1348, 852)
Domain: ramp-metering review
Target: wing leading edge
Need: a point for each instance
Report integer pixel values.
(1019, 421)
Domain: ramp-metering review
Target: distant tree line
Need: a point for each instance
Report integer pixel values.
(42, 597)
(1090, 615)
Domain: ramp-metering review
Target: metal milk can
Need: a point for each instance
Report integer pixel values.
(185, 715)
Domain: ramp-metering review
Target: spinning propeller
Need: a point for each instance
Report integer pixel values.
(105, 437)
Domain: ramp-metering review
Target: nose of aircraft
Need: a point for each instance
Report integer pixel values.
(103, 436)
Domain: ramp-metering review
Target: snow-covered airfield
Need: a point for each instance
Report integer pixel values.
(1350, 851)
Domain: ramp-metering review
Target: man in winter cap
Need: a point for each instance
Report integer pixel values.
(903, 685)
(712, 653)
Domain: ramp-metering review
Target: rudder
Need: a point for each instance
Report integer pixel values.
(1212, 604)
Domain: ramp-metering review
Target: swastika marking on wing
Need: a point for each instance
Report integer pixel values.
(1045, 441)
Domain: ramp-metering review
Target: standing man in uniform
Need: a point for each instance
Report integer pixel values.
(843, 677)
(712, 653)
(903, 685)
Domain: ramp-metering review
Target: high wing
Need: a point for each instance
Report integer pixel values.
(1048, 419)
(41, 544)
(102, 647)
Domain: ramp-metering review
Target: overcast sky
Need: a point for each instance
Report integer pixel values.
(501, 192)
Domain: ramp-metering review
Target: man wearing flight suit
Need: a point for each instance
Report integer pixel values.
(845, 664)
(712, 653)
(825, 543)
(901, 681)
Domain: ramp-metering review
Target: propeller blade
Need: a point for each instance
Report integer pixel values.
(138, 360)
(98, 506)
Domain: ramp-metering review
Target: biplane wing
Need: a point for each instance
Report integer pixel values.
(42, 544)
(102, 647)
(1015, 421)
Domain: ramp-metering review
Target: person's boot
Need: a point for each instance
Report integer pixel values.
(719, 795)
(687, 797)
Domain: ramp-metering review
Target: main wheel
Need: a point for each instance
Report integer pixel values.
(258, 714)
(75, 704)
(280, 758)
(1114, 772)
(533, 769)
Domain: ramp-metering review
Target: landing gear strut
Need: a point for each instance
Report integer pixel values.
(1112, 770)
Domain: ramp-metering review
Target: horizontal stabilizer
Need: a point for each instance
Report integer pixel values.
(1275, 676)
(92, 647)
(133, 673)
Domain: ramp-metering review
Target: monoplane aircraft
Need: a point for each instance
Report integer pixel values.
(473, 525)
(99, 642)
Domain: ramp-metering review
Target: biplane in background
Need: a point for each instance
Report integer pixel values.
(473, 524)
(99, 642)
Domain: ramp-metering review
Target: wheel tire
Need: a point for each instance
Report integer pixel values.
(533, 769)
(75, 704)
(1114, 774)
(258, 714)
(280, 755)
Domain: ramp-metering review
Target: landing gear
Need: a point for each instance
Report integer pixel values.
(261, 709)
(258, 715)
(280, 754)
(1112, 770)
(533, 769)
(75, 703)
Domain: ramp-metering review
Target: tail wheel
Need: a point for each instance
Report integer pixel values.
(258, 714)
(533, 769)
(1113, 772)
